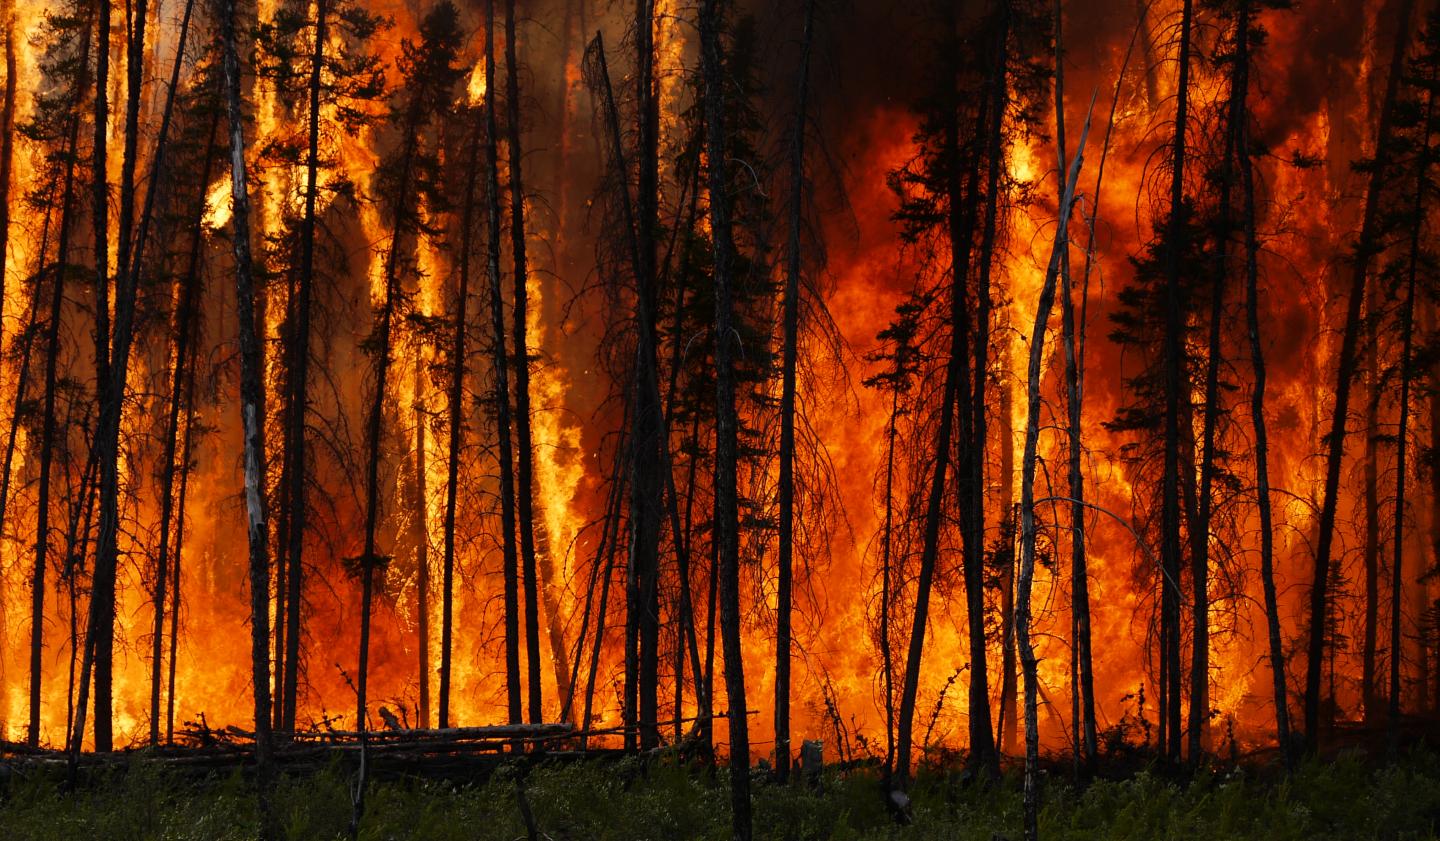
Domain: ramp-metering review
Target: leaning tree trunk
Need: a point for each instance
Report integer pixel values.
(960, 219)
(1026, 579)
(1346, 367)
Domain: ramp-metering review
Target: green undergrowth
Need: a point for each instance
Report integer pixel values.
(1345, 798)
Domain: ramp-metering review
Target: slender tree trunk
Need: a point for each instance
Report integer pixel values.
(787, 406)
(420, 536)
(1370, 690)
(252, 422)
(457, 421)
(298, 368)
(1006, 727)
(524, 478)
(7, 148)
(1241, 69)
(1402, 440)
(887, 586)
(180, 545)
(1201, 529)
(971, 466)
(1174, 343)
(1082, 674)
(646, 486)
(47, 429)
(1346, 368)
(726, 456)
(1025, 582)
(186, 295)
(502, 378)
(101, 629)
(961, 214)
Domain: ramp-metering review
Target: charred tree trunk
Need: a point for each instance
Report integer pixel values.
(1241, 69)
(962, 208)
(456, 442)
(420, 537)
(502, 379)
(7, 148)
(1073, 338)
(1025, 580)
(298, 397)
(1402, 441)
(47, 430)
(1346, 366)
(727, 528)
(524, 478)
(974, 438)
(177, 566)
(647, 441)
(1371, 692)
(1174, 351)
(787, 407)
(100, 633)
(186, 297)
(252, 422)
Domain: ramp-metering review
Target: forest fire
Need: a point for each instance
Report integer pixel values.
(1102, 331)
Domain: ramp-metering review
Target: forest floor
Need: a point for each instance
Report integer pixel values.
(1346, 797)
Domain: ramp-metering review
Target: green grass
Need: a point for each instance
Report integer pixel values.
(1347, 798)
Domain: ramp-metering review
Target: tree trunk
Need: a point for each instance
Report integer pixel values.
(1174, 342)
(186, 295)
(974, 439)
(1241, 69)
(726, 457)
(1025, 581)
(180, 545)
(7, 148)
(298, 367)
(1402, 440)
(47, 430)
(962, 210)
(420, 536)
(524, 478)
(1345, 369)
(457, 421)
(252, 422)
(101, 630)
(502, 379)
(787, 407)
